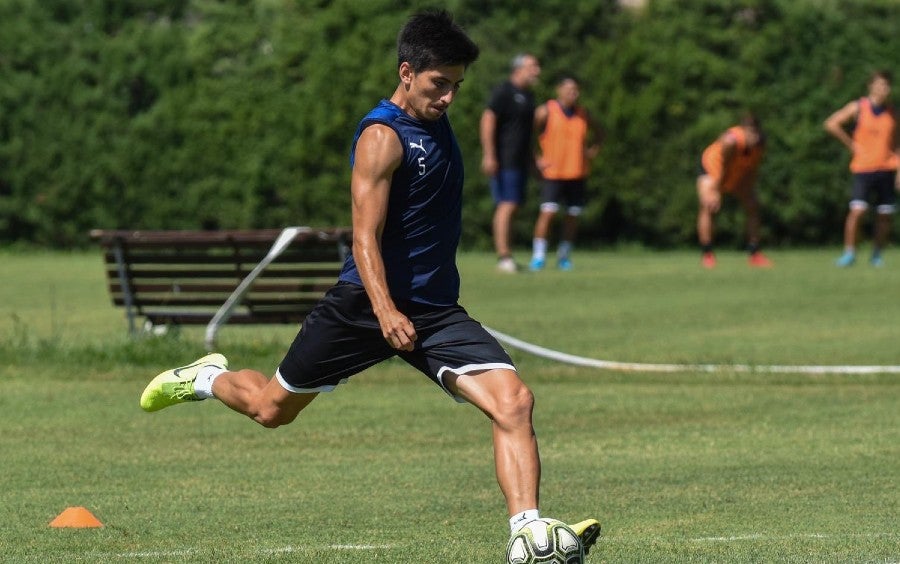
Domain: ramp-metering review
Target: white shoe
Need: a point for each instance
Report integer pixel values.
(507, 265)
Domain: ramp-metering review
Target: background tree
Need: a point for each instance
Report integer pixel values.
(239, 113)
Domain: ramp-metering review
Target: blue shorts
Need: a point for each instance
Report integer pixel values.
(341, 337)
(508, 185)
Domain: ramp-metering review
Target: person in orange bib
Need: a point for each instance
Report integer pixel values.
(875, 156)
(730, 165)
(569, 139)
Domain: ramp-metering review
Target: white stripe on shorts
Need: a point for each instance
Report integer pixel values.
(463, 370)
(296, 390)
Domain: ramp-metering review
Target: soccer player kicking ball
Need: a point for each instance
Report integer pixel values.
(398, 291)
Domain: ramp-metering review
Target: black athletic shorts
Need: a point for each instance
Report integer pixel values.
(877, 185)
(341, 337)
(572, 192)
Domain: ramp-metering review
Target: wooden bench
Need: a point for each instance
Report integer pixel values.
(188, 277)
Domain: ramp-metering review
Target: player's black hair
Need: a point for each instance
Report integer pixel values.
(560, 78)
(751, 119)
(432, 39)
(883, 74)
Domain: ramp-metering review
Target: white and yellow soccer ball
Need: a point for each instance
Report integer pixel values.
(545, 541)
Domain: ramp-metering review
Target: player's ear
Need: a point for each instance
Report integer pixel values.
(406, 73)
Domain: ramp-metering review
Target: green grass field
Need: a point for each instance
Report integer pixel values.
(683, 467)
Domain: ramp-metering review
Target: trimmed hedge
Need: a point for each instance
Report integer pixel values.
(204, 114)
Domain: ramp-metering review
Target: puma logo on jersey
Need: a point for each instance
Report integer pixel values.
(420, 146)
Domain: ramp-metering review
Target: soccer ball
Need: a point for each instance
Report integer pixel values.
(545, 541)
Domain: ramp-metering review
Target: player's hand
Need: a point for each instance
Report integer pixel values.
(712, 202)
(489, 166)
(398, 331)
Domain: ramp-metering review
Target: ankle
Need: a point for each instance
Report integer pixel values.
(204, 381)
(519, 520)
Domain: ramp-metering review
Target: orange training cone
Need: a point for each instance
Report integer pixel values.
(76, 517)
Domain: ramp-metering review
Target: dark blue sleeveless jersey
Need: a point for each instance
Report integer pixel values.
(424, 213)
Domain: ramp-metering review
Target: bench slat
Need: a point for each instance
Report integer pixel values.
(184, 276)
(263, 237)
(319, 271)
(226, 288)
(325, 253)
(238, 317)
(176, 300)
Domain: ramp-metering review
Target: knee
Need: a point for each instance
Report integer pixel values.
(516, 406)
(272, 417)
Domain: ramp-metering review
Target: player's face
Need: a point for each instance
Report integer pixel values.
(879, 90)
(568, 93)
(530, 70)
(752, 133)
(430, 92)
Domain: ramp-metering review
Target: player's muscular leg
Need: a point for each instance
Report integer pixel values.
(502, 221)
(508, 402)
(262, 399)
(851, 225)
(709, 200)
(882, 229)
(751, 209)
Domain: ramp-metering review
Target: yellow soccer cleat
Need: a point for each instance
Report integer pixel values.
(588, 531)
(177, 385)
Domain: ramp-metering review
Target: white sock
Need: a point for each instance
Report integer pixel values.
(565, 247)
(518, 520)
(204, 381)
(540, 248)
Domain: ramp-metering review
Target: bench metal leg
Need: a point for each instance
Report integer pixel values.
(126, 287)
(284, 240)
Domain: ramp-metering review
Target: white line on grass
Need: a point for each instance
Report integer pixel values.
(762, 537)
(648, 367)
(162, 554)
(155, 553)
(187, 552)
(288, 549)
(360, 546)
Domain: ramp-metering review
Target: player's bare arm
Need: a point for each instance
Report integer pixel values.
(540, 118)
(729, 145)
(595, 138)
(711, 185)
(378, 155)
(540, 122)
(897, 158)
(486, 129)
(836, 121)
(710, 196)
